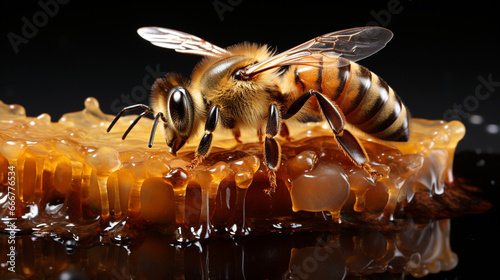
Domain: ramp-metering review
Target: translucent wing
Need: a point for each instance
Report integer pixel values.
(179, 41)
(346, 45)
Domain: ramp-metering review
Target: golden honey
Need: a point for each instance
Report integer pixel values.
(73, 172)
(70, 181)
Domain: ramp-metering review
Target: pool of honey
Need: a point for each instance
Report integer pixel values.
(110, 209)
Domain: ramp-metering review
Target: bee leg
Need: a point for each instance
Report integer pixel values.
(260, 134)
(284, 132)
(272, 149)
(336, 119)
(205, 145)
(333, 113)
(348, 142)
(356, 152)
(153, 129)
(237, 135)
(146, 108)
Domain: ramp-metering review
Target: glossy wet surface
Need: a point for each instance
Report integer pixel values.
(361, 253)
(75, 218)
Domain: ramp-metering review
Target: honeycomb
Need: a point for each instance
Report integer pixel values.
(72, 178)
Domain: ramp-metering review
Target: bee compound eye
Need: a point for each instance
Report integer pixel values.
(181, 110)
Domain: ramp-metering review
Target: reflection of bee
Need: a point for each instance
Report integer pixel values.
(247, 86)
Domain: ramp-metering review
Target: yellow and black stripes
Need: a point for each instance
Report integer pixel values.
(365, 99)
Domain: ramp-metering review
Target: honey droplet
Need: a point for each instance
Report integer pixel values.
(178, 178)
(105, 159)
(243, 179)
(325, 188)
(11, 149)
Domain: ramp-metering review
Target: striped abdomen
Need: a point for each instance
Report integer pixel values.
(365, 99)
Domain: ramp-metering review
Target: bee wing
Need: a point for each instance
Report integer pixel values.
(179, 41)
(346, 45)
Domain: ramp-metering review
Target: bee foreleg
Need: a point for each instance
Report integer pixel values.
(205, 145)
(153, 129)
(272, 149)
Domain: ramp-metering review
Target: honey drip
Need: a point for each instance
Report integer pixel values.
(73, 178)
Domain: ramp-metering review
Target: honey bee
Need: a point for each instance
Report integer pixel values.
(247, 86)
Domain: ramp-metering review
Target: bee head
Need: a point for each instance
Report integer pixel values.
(170, 97)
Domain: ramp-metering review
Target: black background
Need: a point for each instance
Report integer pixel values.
(91, 48)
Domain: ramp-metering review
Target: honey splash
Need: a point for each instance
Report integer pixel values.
(76, 186)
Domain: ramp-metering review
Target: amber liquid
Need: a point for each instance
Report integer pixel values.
(73, 181)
